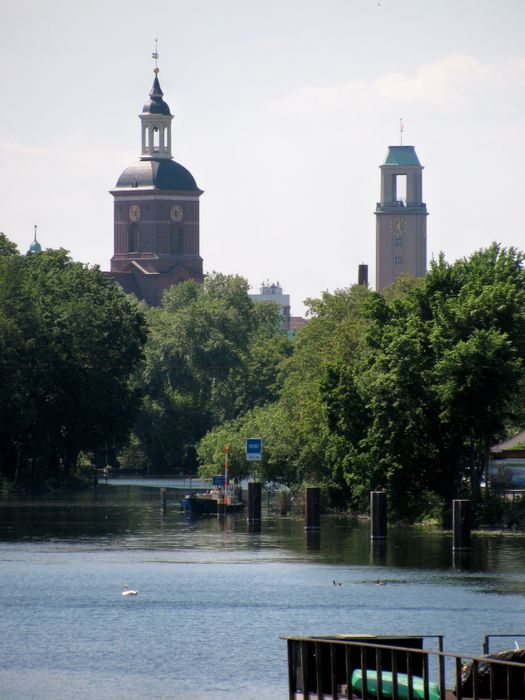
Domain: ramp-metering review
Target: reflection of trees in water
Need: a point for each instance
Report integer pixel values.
(131, 516)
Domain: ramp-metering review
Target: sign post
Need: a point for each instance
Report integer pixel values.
(254, 454)
(226, 481)
(254, 449)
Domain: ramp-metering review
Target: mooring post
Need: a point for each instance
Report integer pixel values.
(254, 502)
(461, 559)
(163, 500)
(460, 524)
(312, 510)
(378, 512)
(313, 540)
(378, 552)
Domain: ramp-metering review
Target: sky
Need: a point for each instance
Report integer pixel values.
(283, 112)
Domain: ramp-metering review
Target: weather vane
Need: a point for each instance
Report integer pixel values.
(155, 55)
(401, 129)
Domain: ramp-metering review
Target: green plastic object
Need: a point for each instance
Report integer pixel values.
(418, 688)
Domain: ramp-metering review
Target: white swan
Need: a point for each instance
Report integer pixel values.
(128, 591)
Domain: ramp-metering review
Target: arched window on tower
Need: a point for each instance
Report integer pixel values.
(156, 140)
(176, 239)
(134, 238)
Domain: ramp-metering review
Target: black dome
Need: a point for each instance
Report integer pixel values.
(158, 174)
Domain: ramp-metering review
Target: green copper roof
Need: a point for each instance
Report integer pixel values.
(402, 155)
(35, 247)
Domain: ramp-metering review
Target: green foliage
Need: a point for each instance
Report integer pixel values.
(212, 354)
(442, 380)
(404, 390)
(269, 422)
(297, 443)
(7, 247)
(69, 340)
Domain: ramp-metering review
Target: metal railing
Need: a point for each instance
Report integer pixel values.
(323, 667)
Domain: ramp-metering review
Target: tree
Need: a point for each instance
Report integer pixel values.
(291, 418)
(7, 247)
(71, 340)
(212, 354)
(279, 457)
(477, 382)
(335, 333)
(442, 379)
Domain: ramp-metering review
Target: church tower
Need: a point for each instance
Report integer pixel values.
(401, 218)
(156, 212)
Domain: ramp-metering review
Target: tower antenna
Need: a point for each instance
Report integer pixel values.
(401, 129)
(155, 55)
(35, 233)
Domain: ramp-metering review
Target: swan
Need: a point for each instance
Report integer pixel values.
(128, 591)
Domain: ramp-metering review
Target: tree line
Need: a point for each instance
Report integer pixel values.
(405, 390)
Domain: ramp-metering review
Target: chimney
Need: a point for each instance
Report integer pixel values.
(362, 275)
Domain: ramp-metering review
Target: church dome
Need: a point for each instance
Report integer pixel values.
(35, 246)
(158, 174)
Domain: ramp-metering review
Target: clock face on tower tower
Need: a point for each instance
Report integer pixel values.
(176, 213)
(398, 226)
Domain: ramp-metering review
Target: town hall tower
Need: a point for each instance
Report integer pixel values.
(401, 218)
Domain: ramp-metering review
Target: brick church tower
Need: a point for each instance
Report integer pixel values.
(156, 212)
(401, 218)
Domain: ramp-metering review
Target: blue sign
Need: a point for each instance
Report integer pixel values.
(254, 449)
(218, 480)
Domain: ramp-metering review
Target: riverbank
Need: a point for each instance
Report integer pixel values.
(497, 514)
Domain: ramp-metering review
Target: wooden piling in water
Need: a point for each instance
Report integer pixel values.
(254, 502)
(163, 500)
(254, 526)
(312, 508)
(460, 524)
(378, 515)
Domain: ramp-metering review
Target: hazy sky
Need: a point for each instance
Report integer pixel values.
(284, 111)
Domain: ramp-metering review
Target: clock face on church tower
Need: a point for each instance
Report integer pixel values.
(134, 212)
(176, 213)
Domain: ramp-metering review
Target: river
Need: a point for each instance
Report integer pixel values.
(214, 599)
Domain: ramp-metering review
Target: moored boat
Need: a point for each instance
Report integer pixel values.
(210, 504)
(224, 497)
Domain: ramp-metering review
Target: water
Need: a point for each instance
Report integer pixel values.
(214, 600)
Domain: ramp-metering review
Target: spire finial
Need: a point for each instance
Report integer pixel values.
(401, 129)
(35, 246)
(155, 55)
